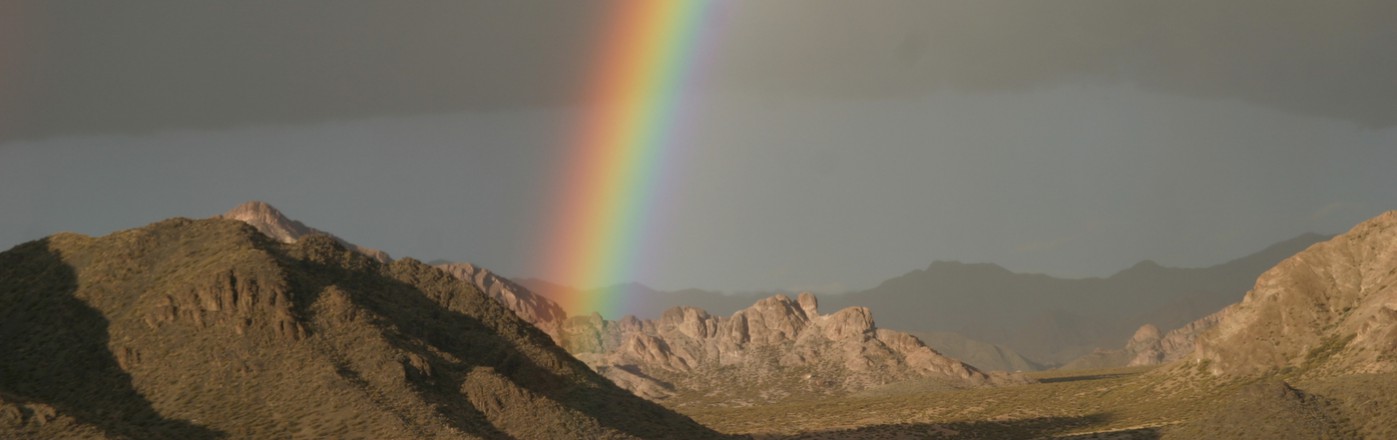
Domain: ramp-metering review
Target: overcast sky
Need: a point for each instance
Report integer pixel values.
(829, 144)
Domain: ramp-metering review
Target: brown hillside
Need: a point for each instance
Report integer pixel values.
(1331, 309)
(209, 329)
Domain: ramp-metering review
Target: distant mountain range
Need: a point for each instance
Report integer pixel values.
(1052, 320)
(1009, 320)
(215, 328)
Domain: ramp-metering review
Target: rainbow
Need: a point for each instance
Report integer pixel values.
(633, 102)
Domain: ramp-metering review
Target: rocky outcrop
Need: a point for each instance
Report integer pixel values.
(775, 348)
(1144, 341)
(1174, 345)
(270, 222)
(1331, 309)
(537, 310)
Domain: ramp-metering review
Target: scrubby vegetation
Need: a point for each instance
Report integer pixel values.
(1178, 401)
(208, 329)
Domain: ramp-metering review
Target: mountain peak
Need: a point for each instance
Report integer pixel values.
(256, 209)
(254, 206)
(269, 220)
(276, 225)
(962, 267)
(1145, 266)
(1147, 263)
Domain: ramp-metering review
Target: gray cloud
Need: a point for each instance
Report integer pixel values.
(85, 67)
(1330, 59)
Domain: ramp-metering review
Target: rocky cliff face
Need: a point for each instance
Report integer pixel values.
(1329, 309)
(1177, 344)
(272, 223)
(537, 310)
(1149, 347)
(775, 348)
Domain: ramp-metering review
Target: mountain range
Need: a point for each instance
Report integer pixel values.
(252, 325)
(995, 319)
(1053, 321)
(775, 348)
(1011, 321)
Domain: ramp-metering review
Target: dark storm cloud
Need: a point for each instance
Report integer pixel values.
(94, 67)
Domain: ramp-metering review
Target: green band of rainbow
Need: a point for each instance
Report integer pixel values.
(620, 148)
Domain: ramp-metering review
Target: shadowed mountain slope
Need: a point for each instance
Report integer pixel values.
(537, 310)
(209, 329)
(542, 312)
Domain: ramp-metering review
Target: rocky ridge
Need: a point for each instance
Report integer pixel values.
(537, 310)
(1329, 310)
(1176, 344)
(769, 351)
